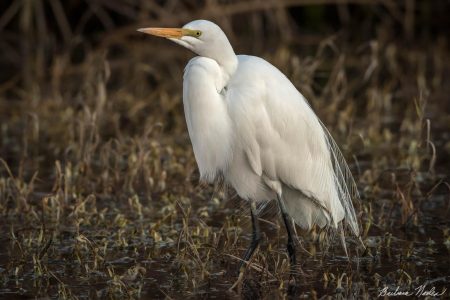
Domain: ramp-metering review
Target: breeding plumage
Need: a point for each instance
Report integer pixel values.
(249, 123)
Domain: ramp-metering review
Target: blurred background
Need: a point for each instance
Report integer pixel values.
(94, 146)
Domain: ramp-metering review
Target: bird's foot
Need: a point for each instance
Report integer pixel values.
(292, 288)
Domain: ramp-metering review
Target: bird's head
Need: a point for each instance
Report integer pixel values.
(200, 36)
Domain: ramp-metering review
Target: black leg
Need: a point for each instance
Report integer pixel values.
(290, 232)
(256, 236)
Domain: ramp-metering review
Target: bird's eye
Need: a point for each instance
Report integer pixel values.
(198, 33)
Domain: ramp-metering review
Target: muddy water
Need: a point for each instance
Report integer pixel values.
(397, 260)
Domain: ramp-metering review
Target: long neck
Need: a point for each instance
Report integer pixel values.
(228, 61)
(222, 52)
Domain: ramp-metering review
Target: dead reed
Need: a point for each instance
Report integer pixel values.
(99, 191)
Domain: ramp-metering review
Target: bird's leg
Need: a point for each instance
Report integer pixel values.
(256, 236)
(289, 229)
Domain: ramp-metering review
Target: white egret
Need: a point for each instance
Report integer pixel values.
(248, 123)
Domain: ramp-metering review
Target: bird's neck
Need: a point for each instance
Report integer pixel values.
(228, 66)
(227, 60)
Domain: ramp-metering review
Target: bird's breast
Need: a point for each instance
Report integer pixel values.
(207, 118)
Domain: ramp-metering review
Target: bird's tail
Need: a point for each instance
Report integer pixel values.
(307, 212)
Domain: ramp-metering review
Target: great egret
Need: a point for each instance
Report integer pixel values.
(248, 123)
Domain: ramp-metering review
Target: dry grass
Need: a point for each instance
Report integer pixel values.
(99, 192)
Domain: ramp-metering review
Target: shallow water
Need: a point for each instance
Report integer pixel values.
(92, 260)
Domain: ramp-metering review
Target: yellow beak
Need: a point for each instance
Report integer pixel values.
(164, 32)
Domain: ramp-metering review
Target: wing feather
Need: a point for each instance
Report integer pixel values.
(345, 183)
(284, 140)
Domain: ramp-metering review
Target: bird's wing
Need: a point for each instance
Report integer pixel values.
(206, 117)
(346, 185)
(285, 141)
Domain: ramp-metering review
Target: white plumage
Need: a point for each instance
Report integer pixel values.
(249, 123)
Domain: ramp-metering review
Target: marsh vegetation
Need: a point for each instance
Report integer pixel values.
(99, 189)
